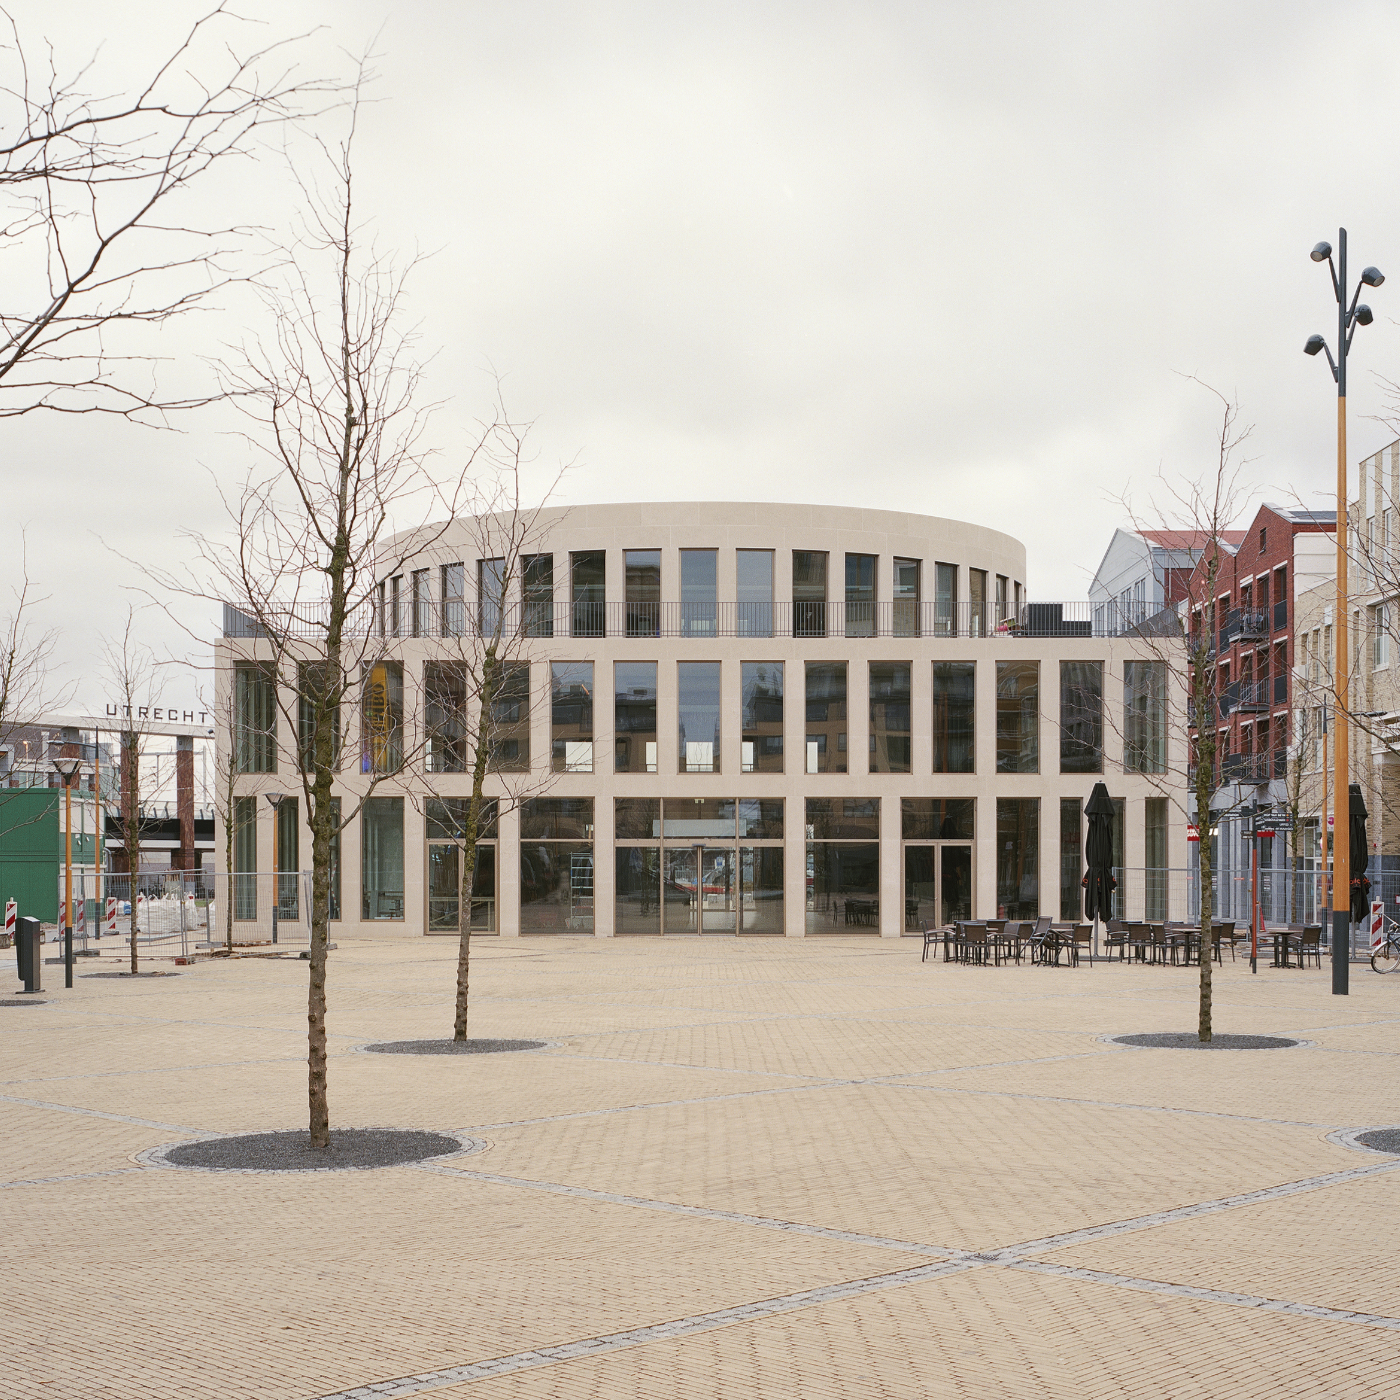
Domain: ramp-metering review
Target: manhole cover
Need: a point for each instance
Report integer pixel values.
(21, 1001)
(1188, 1040)
(351, 1149)
(1381, 1140)
(129, 974)
(452, 1047)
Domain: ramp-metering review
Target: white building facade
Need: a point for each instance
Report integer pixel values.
(740, 719)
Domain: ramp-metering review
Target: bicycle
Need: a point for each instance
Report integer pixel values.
(1386, 958)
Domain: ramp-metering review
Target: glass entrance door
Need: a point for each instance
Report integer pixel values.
(937, 884)
(679, 897)
(704, 905)
(717, 891)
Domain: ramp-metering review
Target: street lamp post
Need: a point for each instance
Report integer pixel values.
(275, 799)
(67, 770)
(1348, 318)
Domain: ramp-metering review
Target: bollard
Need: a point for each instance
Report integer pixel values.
(30, 959)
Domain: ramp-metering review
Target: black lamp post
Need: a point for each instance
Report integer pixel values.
(67, 770)
(275, 800)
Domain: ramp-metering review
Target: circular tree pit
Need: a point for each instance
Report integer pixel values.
(351, 1149)
(1189, 1040)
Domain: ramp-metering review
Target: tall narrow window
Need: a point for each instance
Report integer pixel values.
(510, 719)
(539, 595)
(642, 568)
(1018, 857)
(245, 858)
(381, 858)
(945, 600)
(255, 717)
(1018, 718)
(454, 607)
(1155, 856)
(698, 712)
(1081, 716)
(422, 604)
(445, 716)
(954, 695)
(698, 592)
(755, 588)
(761, 686)
(317, 703)
(587, 570)
(381, 720)
(860, 594)
(490, 595)
(288, 851)
(906, 597)
(977, 602)
(334, 894)
(1003, 599)
(1145, 716)
(571, 716)
(396, 606)
(826, 717)
(634, 716)
(1071, 859)
(889, 717)
(808, 593)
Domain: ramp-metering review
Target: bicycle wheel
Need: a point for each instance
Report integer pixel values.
(1387, 959)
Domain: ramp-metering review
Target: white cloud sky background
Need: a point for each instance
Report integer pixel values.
(933, 257)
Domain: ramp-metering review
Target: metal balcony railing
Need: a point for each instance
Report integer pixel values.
(1244, 626)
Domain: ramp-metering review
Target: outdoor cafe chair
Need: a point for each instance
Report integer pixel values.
(931, 935)
(1083, 935)
(1138, 940)
(1310, 945)
(973, 944)
(1116, 936)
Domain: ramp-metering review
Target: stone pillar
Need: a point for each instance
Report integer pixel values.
(184, 858)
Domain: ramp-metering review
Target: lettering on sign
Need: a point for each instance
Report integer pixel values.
(169, 714)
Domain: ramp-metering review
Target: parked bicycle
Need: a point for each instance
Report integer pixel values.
(1386, 958)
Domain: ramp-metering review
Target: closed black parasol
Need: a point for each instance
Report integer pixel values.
(1360, 856)
(1098, 855)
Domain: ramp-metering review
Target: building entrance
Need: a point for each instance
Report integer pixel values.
(937, 883)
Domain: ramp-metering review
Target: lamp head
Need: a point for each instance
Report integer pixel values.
(1315, 343)
(67, 768)
(275, 798)
(1321, 253)
(1372, 276)
(1363, 314)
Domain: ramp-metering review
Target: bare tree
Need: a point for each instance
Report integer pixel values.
(27, 688)
(95, 212)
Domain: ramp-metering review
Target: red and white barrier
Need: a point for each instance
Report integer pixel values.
(11, 918)
(63, 913)
(1377, 925)
(111, 914)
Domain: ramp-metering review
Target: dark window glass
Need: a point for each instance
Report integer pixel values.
(510, 719)
(906, 597)
(698, 712)
(979, 624)
(755, 590)
(761, 818)
(954, 697)
(937, 818)
(287, 856)
(422, 604)
(1081, 716)
(381, 718)
(245, 858)
(843, 818)
(453, 585)
(634, 716)
(571, 716)
(445, 716)
(889, 717)
(445, 888)
(1145, 716)
(445, 819)
(691, 818)
(761, 889)
(381, 858)
(1018, 717)
(637, 818)
(638, 894)
(860, 594)
(316, 695)
(539, 595)
(556, 886)
(643, 577)
(698, 592)
(945, 600)
(1018, 857)
(587, 571)
(490, 595)
(255, 717)
(556, 819)
(826, 716)
(843, 887)
(1155, 857)
(334, 911)
(808, 593)
(761, 696)
(1071, 859)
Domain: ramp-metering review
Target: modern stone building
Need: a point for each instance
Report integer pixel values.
(727, 718)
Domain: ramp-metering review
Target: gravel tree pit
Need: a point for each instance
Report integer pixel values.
(129, 974)
(1381, 1140)
(351, 1149)
(21, 1001)
(452, 1047)
(1188, 1040)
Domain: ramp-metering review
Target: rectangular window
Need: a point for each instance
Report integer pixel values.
(316, 696)
(454, 606)
(698, 818)
(634, 716)
(954, 696)
(843, 864)
(890, 734)
(556, 819)
(245, 858)
(571, 716)
(842, 818)
(860, 594)
(978, 620)
(1155, 856)
(755, 589)
(1380, 635)
(1071, 859)
(255, 717)
(906, 597)
(642, 570)
(1003, 598)
(334, 901)
(287, 856)
(761, 818)
(937, 818)
(539, 595)
(698, 592)
(761, 699)
(510, 719)
(826, 717)
(490, 596)
(698, 711)
(381, 718)
(1018, 719)
(1081, 716)
(1018, 857)
(445, 716)
(1145, 716)
(637, 818)
(422, 604)
(637, 892)
(556, 865)
(808, 593)
(945, 600)
(587, 574)
(381, 858)
(396, 606)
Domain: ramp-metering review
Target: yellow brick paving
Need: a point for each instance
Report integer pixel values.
(892, 1109)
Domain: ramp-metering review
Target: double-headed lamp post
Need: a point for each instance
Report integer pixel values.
(67, 770)
(1348, 318)
(275, 800)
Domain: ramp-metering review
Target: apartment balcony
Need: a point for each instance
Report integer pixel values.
(1254, 696)
(1242, 626)
(1253, 767)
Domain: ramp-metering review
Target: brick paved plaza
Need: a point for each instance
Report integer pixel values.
(766, 1168)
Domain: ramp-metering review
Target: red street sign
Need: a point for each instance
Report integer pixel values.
(1192, 833)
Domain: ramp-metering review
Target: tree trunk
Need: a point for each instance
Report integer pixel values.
(1204, 689)
(318, 1099)
(489, 686)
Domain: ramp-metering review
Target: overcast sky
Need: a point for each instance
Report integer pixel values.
(947, 258)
